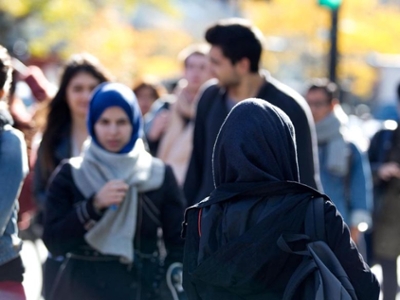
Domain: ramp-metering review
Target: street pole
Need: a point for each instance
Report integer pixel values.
(333, 52)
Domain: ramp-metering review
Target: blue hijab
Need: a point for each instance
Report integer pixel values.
(256, 143)
(107, 95)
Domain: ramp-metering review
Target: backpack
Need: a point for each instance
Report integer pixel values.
(320, 275)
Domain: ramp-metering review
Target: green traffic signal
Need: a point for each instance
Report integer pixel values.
(331, 4)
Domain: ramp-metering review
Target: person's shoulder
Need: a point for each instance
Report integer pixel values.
(283, 92)
(209, 90)
(64, 169)
(207, 96)
(12, 142)
(383, 134)
(387, 127)
(12, 135)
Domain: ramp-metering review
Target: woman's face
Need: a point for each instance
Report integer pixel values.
(78, 93)
(145, 98)
(113, 129)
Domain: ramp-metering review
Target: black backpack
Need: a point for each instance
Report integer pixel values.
(320, 275)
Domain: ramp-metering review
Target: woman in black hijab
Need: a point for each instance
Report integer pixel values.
(257, 190)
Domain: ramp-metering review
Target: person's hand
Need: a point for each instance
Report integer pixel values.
(112, 193)
(159, 125)
(388, 171)
(38, 83)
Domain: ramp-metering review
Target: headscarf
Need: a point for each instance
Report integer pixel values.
(256, 185)
(115, 232)
(251, 145)
(115, 94)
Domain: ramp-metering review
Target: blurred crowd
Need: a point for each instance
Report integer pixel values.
(88, 150)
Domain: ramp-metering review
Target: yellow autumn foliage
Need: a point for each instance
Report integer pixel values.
(103, 28)
(365, 26)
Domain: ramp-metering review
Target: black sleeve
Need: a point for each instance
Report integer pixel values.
(67, 214)
(196, 164)
(306, 143)
(338, 237)
(172, 217)
(39, 182)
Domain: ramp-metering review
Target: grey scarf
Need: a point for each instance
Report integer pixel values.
(115, 232)
(330, 131)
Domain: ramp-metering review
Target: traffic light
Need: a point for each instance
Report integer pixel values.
(331, 4)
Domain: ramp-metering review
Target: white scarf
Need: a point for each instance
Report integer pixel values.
(114, 234)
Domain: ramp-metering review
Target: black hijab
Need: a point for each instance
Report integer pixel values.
(256, 189)
(256, 143)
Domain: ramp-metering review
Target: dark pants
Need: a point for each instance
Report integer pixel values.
(50, 270)
(389, 274)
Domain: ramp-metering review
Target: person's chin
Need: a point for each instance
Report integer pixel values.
(113, 148)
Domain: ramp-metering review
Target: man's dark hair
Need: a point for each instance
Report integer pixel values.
(330, 88)
(5, 67)
(237, 39)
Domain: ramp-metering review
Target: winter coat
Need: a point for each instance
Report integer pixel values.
(68, 216)
(13, 169)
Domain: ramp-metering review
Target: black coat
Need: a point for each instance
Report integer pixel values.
(65, 227)
(234, 263)
(212, 111)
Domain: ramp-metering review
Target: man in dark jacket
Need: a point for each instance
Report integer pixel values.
(234, 56)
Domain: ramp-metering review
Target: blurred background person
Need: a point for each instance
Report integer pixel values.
(103, 209)
(151, 95)
(147, 92)
(176, 143)
(13, 169)
(344, 168)
(64, 133)
(28, 120)
(384, 156)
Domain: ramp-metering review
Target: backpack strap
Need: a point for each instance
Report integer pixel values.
(314, 223)
(300, 275)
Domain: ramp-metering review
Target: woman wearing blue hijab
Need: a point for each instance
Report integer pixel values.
(257, 190)
(104, 208)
